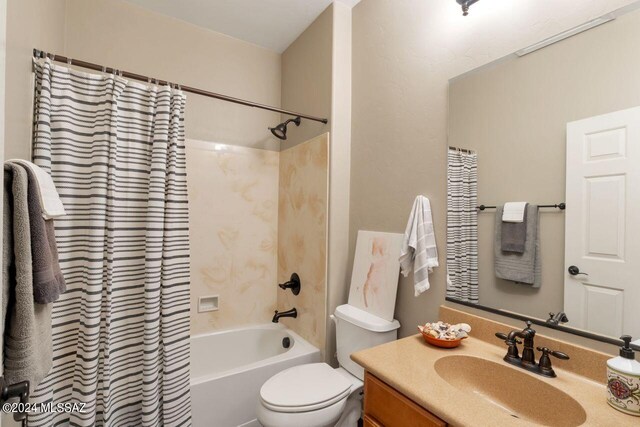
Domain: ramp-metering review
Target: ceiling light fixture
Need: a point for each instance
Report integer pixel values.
(566, 34)
(465, 4)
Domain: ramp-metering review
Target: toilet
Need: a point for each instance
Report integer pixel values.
(317, 395)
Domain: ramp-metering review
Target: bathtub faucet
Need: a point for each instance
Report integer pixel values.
(289, 313)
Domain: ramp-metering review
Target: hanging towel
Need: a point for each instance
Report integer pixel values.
(27, 329)
(514, 235)
(48, 281)
(514, 211)
(49, 198)
(419, 245)
(516, 267)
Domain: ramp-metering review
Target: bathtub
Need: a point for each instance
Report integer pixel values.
(229, 367)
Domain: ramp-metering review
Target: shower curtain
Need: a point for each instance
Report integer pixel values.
(115, 150)
(462, 226)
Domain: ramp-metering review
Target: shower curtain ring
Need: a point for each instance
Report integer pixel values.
(69, 61)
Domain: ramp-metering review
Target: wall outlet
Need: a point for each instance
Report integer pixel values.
(208, 303)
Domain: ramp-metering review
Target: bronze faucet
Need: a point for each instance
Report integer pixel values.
(289, 313)
(528, 360)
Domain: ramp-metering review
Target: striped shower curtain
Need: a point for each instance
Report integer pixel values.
(115, 150)
(462, 226)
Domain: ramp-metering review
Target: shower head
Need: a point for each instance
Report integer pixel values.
(280, 131)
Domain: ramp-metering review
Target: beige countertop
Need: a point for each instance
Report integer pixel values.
(408, 366)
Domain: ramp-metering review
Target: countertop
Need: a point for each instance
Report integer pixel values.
(408, 366)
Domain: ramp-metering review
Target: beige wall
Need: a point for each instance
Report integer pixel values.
(514, 114)
(233, 219)
(122, 35)
(306, 78)
(30, 24)
(3, 56)
(339, 171)
(302, 236)
(316, 79)
(404, 53)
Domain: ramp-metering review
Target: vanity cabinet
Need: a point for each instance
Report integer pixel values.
(386, 407)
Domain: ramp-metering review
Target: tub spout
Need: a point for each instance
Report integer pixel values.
(289, 313)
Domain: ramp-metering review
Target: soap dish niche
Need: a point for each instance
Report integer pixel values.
(208, 303)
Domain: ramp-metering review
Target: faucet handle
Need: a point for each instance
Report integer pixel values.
(544, 365)
(547, 351)
(504, 336)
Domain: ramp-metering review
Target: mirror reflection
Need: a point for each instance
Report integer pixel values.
(529, 135)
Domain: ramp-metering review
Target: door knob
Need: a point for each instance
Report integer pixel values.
(574, 271)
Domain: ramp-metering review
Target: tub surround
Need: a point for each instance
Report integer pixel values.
(408, 366)
(302, 236)
(272, 223)
(233, 199)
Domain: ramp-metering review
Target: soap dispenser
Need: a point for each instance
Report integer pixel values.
(623, 380)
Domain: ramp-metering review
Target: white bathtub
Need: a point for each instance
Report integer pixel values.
(229, 367)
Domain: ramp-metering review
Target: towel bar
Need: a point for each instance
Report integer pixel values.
(561, 206)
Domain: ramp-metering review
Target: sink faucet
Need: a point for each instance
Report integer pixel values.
(527, 334)
(528, 360)
(557, 318)
(289, 313)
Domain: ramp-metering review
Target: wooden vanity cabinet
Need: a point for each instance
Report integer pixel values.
(384, 406)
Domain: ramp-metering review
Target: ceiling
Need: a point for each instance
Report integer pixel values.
(273, 24)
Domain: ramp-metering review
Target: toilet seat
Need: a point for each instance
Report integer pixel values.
(305, 388)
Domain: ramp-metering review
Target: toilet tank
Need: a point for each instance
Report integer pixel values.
(356, 330)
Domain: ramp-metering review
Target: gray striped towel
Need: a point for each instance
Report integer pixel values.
(419, 245)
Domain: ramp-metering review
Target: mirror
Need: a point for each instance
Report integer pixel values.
(556, 125)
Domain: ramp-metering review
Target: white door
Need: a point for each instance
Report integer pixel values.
(602, 230)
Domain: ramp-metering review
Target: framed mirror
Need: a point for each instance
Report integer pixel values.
(555, 126)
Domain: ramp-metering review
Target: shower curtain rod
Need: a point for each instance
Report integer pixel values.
(84, 64)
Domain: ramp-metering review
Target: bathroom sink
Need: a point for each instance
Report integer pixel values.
(519, 394)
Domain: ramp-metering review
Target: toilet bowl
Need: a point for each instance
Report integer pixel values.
(313, 395)
(317, 395)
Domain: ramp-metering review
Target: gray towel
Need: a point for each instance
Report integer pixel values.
(514, 234)
(516, 267)
(27, 329)
(48, 282)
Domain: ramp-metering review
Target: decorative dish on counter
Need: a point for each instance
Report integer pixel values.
(442, 334)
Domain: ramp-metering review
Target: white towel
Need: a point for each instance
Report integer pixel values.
(52, 206)
(513, 211)
(419, 245)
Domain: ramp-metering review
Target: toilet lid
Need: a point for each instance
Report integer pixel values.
(304, 388)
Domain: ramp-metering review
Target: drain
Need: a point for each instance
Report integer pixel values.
(286, 342)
